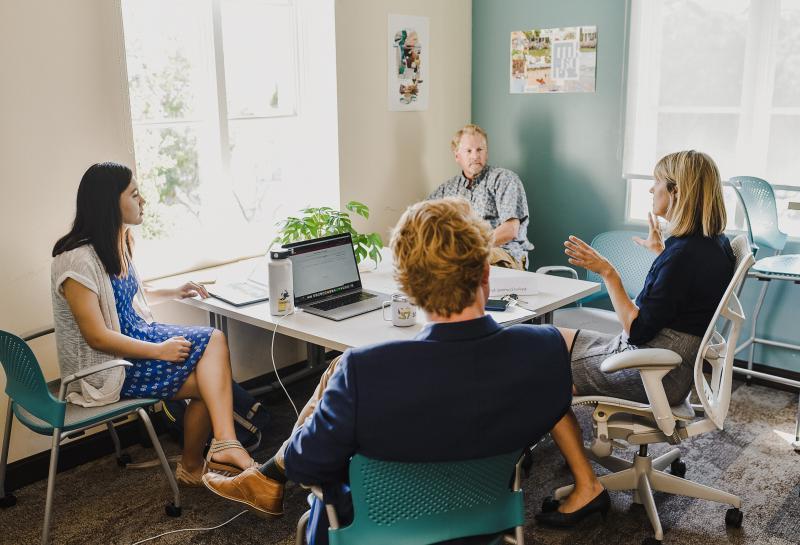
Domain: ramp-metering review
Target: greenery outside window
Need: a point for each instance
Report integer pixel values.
(226, 99)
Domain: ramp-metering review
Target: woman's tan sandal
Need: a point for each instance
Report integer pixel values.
(189, 479)
(228, 470)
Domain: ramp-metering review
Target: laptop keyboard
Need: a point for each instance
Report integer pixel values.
(342, 301)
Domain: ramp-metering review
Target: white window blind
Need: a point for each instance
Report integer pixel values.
(720, 76)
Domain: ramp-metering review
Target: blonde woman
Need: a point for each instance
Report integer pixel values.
(673, 310)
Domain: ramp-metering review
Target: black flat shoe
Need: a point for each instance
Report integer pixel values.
(549, 504)
(600, 504)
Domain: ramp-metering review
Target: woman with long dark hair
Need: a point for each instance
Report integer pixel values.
(101, 314)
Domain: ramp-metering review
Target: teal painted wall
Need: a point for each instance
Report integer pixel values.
(567, 148)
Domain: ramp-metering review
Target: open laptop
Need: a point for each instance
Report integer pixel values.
(254, 289)
(326, 279)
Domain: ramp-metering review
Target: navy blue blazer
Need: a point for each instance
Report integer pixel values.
(458, 391)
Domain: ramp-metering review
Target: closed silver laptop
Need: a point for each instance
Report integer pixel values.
(326, 279)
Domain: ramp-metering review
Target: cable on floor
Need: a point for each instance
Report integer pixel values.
(190, 529)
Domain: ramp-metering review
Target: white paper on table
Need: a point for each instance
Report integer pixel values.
(506, 281)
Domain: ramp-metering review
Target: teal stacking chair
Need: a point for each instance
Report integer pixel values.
(633, 263)
(761, 218)
(34, 406)
(402, 503)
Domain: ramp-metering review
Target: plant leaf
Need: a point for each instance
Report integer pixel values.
(376, 239)
(322, 221)
(359, 208)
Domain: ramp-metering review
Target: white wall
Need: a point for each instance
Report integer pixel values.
(64, 106)
(389, 160)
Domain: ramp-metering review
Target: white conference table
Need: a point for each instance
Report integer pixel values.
(552, 292)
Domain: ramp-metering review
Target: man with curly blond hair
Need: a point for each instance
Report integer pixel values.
(463, 388)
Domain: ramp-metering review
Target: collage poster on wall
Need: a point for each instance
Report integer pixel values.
(554, 60)
(409, 58)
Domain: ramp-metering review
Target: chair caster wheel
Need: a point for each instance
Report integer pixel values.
(172, 511)
(651, 541)
(678, 468)
(9, 500)
(124, 459)
(733, 518)
(549, 504)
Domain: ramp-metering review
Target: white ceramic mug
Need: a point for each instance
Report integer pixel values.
(403, 312)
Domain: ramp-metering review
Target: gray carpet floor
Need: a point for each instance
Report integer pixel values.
(99, 503)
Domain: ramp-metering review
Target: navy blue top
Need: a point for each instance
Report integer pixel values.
(684, 286)
(458, 391)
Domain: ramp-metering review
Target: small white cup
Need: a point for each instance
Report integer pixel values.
(403, 312)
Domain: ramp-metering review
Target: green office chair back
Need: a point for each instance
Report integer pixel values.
(401, 503)
(25, 384)
(631, 261)
(760, 211)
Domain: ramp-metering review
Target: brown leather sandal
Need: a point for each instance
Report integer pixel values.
(227, 470)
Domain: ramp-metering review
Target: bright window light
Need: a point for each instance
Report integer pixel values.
(226, 97)
(720, 76)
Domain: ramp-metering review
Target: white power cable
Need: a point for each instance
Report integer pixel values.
(275, 367)
(191, 529)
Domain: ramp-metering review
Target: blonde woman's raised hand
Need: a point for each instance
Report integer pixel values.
(655, 240)
(583, 255)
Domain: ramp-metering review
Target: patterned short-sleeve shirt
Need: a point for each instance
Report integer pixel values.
(497, 195)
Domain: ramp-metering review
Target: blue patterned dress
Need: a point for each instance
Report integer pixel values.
(154, 378)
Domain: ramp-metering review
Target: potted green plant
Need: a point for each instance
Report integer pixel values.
(324, 221)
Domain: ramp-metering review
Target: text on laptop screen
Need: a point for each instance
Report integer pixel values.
(324, 268)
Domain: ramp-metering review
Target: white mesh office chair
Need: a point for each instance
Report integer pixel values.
(641, 424)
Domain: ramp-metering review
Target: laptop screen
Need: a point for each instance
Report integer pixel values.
(323, 267)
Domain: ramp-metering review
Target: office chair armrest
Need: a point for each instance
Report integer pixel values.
(653, 364)
(90, 371)
(558, 268)
(642, 358)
